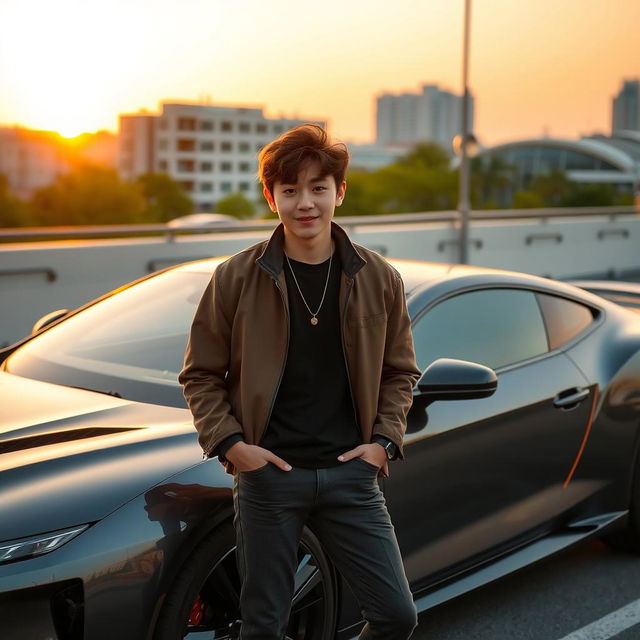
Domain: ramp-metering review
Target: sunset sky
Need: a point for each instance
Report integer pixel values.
(537, 66)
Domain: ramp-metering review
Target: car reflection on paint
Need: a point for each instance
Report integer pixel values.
(522, 440)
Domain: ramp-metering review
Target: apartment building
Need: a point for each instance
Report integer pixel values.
(432, 115)
(211, 150)
(625, 112)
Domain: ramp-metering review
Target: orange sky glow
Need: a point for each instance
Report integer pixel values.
(537, 67)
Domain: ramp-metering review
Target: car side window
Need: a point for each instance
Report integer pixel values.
(565, 319)
(494, 327)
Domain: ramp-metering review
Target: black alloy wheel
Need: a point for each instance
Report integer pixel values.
(203, 602)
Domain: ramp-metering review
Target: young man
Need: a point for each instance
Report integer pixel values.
(299, 373)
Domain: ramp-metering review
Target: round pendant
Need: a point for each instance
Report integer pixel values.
(314, 321)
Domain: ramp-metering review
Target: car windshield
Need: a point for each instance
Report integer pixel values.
(131, 343)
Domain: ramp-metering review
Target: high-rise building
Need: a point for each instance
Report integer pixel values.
(626, 108)
(430, 116)
(211, 150)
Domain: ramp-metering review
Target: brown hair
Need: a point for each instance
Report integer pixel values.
(282, 159)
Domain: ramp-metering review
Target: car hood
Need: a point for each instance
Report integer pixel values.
(70, 456)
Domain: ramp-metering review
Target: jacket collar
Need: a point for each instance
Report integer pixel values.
(272, 257)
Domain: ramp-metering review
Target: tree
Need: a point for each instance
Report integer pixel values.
(13, 211)
(492, 180)
(425, 154)
(527, 200)
(420, 181)
(236, 205)
(89, 195)
(554, 187)
(164, 197)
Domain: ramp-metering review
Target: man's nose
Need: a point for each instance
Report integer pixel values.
(306, 200)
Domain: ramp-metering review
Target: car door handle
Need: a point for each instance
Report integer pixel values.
(570, 397)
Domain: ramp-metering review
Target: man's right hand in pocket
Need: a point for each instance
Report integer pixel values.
(249, 457)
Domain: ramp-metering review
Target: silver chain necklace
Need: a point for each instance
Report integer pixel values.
(314, 316)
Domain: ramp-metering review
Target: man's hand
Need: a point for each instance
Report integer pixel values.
(249, 457)
(373, 453)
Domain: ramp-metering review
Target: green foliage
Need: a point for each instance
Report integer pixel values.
(89, 195)
(164, 197)
(589, 195)
(492, 180)
(527, 200)
(419, 181)
(236, 205)
(553, 187)
(426, 155)
(13, 211)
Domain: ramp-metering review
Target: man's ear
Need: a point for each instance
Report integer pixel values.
(269, 198)
(340, 193)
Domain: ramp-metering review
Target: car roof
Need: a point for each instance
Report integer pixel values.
(440, 277)
(414, 273)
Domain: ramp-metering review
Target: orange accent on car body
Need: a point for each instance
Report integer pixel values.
(584, 438)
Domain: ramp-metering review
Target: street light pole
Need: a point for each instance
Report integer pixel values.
(463, 197)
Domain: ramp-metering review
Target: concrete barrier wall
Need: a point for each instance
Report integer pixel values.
(38, 277)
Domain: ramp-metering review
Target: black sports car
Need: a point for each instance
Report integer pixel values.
(112, 525)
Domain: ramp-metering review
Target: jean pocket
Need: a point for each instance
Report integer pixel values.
(370, 465)
(255, 471)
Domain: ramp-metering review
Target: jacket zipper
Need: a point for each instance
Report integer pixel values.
(284, 363)
(344, 353)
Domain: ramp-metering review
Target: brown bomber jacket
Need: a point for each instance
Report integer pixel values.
(238, 344)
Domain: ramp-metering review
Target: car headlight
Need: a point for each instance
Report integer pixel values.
(37, 545)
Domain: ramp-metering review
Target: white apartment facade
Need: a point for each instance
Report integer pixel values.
(432, 115)
(211, 150)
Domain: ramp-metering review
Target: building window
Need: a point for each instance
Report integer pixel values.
(225, 125)
(163, 144)
(261, 128)
(244, 167)
(277, 128)
(226, 146)
(186, 124)
(186, 165)
(206, 187)
(185, 144)
(244, 127)
(206, 167)
(164, 124)
(225, 187)
(207, 145)
(259, 146)
(206, 125)
(205, 206)
(244, 186)
(187, 185)
(243, 147)
(163, 165)
(225, 167)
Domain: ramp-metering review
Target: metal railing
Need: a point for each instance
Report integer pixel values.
(170, 233)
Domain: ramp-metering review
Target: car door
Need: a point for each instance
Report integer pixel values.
(483, 475)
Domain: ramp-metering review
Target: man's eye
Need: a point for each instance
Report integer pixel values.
(320, 188)
(288, 191)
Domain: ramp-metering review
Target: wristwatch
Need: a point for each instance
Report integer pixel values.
(387, 445)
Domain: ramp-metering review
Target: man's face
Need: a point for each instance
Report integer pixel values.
(306, 208)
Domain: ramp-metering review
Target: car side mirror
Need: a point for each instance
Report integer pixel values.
(449, 379)
(50, 317)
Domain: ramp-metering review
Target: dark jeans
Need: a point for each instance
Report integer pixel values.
(346, 510)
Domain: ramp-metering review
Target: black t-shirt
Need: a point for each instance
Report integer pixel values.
(313, 419)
